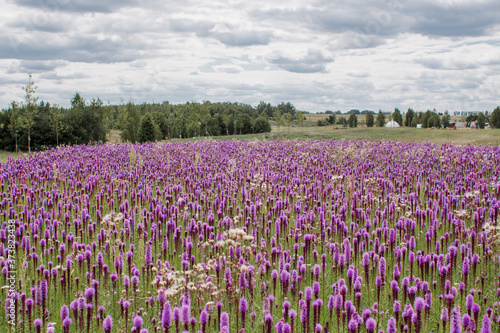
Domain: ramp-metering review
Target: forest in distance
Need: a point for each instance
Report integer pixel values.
(36, 124)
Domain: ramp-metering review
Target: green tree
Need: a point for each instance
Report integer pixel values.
(331, 119)
(204, 117)
(278, 117)
(445, 120)
(56, 116)
(132, 121)
(244, 124)
(30, 108)
(231, 128)
(93, 121)
(397, 117)
(424, 119)
(288, 120)
(370, 119)
(78, 102)
(434, 121)
(193, 124)
(380, 119)
(414, 121)
(410, 114)
(265, 108)
(342, 121)
(261, 124)
(481, 120)
(287, 108)
(15, 122)
(300, 118)
(148, 131)
(353, 120)
(495, 117)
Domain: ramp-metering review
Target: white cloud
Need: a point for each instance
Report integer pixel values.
(320, 55)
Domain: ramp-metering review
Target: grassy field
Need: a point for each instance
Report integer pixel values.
(4, 155)
(460, 136)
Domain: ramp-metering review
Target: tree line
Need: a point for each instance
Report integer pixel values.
(35, 125)
(427, 119)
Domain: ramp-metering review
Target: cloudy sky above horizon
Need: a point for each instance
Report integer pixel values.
(319, 55)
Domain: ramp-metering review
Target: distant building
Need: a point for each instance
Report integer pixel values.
(392, 123)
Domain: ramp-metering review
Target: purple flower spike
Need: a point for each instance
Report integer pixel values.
(308, 294)
(456, 326)
(419, 304)
(66, 323)
(203, 320)
(486, 328)
(162, 296)
(89, 294)
(74, 308)
(243, 305)
(224, 320)
(138, 322)
(64, 312)
(166, 317)
(370, 324)
(38, 325)
(185, 315)
(352, 325)
(391, 325)
(107, 324)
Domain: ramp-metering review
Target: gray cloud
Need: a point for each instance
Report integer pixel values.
(200, 28)
(88, 48)
(446, 64)
(466, 19)
(77, 5)
(313, 62)
(243, 38)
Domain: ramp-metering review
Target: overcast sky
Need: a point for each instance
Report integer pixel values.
(318, 55)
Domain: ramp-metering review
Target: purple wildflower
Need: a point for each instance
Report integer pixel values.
(456, 326)
(370, 324)
(486, 325)
(138, 322)
(107, 324)
(166, 317)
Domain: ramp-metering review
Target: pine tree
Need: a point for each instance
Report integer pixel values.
(495, 117)
(410, 114)
(370, 120)
(147, 130)
(353, 120)
(445, 120)
(397, 117)
(380, 119)
(481, 120)
(132, 121)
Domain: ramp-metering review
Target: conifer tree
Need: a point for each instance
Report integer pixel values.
(147, 129)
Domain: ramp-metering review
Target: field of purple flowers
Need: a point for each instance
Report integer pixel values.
(280, 236)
